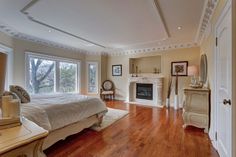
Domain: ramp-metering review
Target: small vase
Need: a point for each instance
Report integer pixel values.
(167, 102)
(176, 102)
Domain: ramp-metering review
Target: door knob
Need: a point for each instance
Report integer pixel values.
(225, 102)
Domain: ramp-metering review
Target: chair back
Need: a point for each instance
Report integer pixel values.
(107, 85)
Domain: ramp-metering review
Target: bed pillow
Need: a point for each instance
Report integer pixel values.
(21, 93)
(6, 93)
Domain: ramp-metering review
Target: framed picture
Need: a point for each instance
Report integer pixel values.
(117, 70)
(180, 67)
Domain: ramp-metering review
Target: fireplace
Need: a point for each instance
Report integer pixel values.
(144, 91)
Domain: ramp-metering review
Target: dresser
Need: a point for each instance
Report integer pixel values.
(196, 107)
(22, 141)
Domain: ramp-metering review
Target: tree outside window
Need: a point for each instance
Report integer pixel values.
(48, 76)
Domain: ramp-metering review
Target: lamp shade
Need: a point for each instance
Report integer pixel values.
(193, 70)
(3, 61)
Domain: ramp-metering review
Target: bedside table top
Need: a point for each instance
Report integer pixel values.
(14, 137)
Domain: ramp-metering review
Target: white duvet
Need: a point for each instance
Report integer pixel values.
(56, 111)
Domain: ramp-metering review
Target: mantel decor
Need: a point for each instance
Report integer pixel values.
(117, 70)
(180, 67)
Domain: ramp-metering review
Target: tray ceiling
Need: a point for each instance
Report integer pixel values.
(105, 26)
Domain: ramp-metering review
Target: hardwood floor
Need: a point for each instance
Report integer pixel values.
(145, 132)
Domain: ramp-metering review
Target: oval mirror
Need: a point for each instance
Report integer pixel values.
(203, 69)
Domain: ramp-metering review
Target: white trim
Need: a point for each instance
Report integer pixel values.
(57, 60)
(87, 67)
(10, 61)
(54, 58)
(200, 23)
(219, 20)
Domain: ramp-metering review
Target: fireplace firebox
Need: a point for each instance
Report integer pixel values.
(144, 91)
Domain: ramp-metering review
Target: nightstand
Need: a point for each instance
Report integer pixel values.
(22, 141)
(196, 107)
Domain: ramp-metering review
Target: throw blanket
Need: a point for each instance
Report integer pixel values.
(56, 111)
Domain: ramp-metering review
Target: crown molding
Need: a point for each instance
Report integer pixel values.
(208, 11)
(17, 35)
(107, 51)
(153, 49)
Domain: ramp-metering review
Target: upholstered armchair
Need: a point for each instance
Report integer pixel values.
(107, 90)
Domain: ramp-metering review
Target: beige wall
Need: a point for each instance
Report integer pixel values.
(192, 55)
(146, 64)
(207, 47)
(21, 46)
(6, 40)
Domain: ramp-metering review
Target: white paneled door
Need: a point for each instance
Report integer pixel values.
(224, 83)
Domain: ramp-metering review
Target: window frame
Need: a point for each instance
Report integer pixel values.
(57, 61)
(87, 67)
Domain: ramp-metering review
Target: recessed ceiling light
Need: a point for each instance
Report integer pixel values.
(90, 44)
(49, 30)
(179, 27)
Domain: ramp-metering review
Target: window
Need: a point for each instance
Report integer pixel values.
(47, 74)
(68, 77)
(92, 77)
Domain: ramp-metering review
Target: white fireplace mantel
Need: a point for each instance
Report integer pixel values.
(156, 80)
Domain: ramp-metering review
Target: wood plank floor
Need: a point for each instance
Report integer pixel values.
(145, 132)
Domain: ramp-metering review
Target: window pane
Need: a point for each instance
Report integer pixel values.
(68, 77)
(92, 85)
(42, 75)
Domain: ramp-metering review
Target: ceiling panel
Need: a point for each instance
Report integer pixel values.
(118, 25)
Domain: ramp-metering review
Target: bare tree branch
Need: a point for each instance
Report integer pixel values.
(47, 73)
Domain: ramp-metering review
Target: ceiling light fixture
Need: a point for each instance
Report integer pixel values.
(49, 30)
(89, 44)
(179, 27)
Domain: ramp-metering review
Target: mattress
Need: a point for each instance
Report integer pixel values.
(58, 110)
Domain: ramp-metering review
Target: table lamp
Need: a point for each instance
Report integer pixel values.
(193, 72)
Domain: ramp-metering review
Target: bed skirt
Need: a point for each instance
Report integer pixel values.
(62, 133)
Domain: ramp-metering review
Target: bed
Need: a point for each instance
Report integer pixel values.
(63, 114)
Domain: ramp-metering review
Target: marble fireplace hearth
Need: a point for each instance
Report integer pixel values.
(144, 97)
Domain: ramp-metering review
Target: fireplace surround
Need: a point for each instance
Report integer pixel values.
(154, 80)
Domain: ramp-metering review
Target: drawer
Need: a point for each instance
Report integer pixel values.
(195, 119)
(198, 120)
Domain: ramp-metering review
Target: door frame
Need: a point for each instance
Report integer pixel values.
(233, 112)
(234, 75)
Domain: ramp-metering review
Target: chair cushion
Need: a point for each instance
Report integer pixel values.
(107, 92)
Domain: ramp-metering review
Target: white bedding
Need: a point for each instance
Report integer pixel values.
(56, 111)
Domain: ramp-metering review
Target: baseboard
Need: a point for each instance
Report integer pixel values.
(212, 138)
